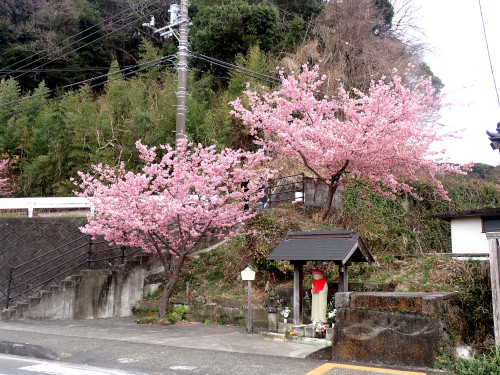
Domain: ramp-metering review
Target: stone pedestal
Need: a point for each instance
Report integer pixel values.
(283, 327)
(273, 321)
(329, 334)
(309, 331)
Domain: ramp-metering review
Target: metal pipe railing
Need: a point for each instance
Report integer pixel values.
(15, 288)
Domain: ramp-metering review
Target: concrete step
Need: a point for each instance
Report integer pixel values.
(76, 278)
(21, 306)
(66, 284)
(55, 288)
(10, 313)
(18, 309)
(46, 294)
(33, 301)
(93, 273)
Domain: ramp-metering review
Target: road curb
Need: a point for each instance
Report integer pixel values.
(26, 350)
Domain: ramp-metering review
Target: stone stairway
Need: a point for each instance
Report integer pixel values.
(84, 285)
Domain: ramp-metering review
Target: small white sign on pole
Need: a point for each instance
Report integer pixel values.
(248, 274)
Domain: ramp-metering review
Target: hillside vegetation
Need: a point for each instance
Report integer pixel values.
(83, 79)
(215, 275)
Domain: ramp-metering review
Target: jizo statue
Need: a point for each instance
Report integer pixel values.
(319, 294)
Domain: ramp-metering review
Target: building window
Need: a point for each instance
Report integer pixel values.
(491, 224)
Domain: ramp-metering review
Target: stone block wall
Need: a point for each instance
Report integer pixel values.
(405, 329)
(315, 193)
(224, 310)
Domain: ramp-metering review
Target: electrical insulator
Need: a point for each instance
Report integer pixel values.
(174, 11)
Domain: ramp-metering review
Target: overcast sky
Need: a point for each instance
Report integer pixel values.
(459, 57)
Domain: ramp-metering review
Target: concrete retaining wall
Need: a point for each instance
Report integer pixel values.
(96, 293)
(406, 329)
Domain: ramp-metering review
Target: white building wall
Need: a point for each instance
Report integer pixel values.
(467, 235)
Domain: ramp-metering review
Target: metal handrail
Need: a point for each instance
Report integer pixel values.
(43, 273)
(45, 282)
(274, 184)
(51, 251)
(45, 263)
(13, 285)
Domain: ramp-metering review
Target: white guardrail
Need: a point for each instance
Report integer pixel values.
(33, 203)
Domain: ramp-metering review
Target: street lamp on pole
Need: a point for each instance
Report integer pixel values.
(494, 138)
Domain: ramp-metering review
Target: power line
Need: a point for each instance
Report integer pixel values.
(244, 71)
(60, 43)
(489, 56)
(236, 68)
(144, 67)
(86, 44)
(74, 36)
(76, 49)
(85, 81)
(51, 70)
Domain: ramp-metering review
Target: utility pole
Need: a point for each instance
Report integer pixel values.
(182, 67)
(178, 18)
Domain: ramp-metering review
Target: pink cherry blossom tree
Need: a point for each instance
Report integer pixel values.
(381, 137)
(3, 181)
(175, 201)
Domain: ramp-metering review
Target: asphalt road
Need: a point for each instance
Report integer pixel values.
(13, 365)
(150, 359)
(119, 345)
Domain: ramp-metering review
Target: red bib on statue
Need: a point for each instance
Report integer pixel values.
(318, 285)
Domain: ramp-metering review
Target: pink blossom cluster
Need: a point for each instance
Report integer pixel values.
(188, 193)
(381, 137)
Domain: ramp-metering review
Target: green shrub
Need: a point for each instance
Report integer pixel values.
(223, 318)
(484, 364)
(238, 319)
(474, 303)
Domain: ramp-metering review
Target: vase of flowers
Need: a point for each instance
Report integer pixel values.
(320, 329)
(285, 313)
(330, 316)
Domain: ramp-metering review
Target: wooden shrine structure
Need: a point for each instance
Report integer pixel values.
(341, 247)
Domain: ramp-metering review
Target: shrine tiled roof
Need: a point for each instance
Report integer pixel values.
(339, 247)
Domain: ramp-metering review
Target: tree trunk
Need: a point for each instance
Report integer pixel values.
(167, 293)
(332, 188)
(172, 275)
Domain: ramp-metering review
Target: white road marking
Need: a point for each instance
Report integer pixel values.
(56, 369)
(127, 360)
(183, 368)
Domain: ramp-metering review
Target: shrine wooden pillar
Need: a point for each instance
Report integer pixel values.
(343, 278)
(298, 293)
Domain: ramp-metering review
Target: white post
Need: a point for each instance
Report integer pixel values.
(248, 274)
(249, 313)
(495, 283)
